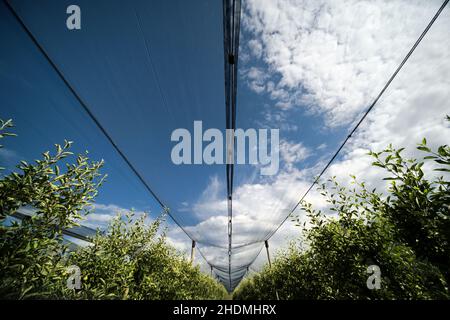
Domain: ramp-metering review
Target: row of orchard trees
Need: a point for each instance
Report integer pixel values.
(405, 233)
(130, 261)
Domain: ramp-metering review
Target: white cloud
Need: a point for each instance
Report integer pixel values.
(102, 214)
(256, 78)
(211, 202)
(293, 153)
(332, 56)
(256, 48)
(322, 146)
(277, 119)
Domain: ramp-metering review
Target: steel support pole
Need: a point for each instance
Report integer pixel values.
(192, 251)
(266, 243)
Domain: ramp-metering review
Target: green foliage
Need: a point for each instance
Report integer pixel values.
(130, 261)
(32, 250)
(406, 234)
(4, 125)
(133, 262)
(420, 209)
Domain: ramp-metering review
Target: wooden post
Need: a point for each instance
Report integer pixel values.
(266, 243)
(192, 251)
(211, 271)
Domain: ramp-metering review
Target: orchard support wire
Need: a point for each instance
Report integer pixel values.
(231, 30)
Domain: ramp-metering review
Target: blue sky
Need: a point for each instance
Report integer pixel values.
(146, 68)
(107, 62)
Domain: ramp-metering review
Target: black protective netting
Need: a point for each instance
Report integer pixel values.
(141, 77)
(119, 87)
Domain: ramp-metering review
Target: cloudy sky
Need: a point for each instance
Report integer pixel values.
(328, 60)
(307, 68)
